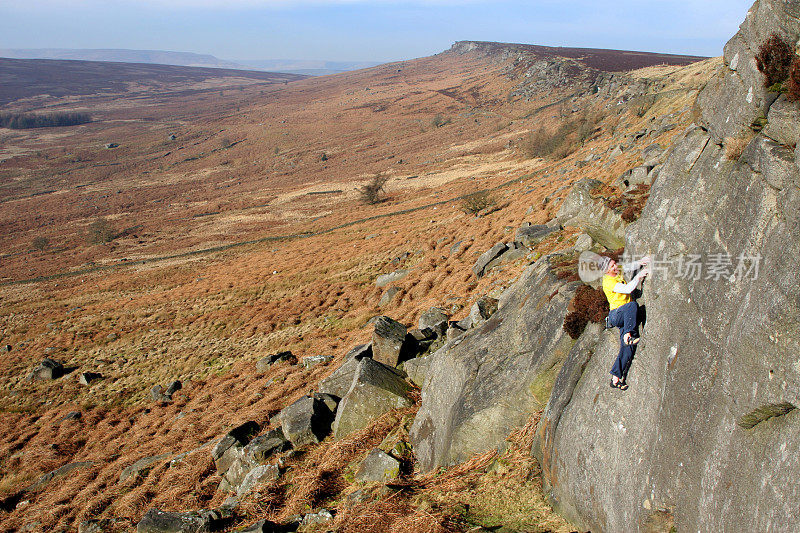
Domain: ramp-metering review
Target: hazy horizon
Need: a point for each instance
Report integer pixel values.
(359, 31)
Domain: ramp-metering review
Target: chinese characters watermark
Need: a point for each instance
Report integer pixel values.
(717, 266)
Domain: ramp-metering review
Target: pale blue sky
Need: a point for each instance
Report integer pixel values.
(377, 30)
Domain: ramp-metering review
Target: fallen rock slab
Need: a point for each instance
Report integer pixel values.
(376, 389)
(479, 268)
(281, 357)
(156, 521)
(142, 466)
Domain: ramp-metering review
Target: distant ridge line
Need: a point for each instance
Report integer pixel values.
(608, 60)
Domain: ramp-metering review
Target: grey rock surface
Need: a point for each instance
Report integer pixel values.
(306, 421)
(59, 472)
(583, 208)
(479, 268)
(532, 234)
(434, 319)
(231, 447)
(86, 378)
(262, 447)
(48, 369)
(385, 279)
(378, 466)
(376, 389)
(477, 388)
(314, 360)
(388, 296)
(156, 521)
(142, 466)
(339, 382)
(359, 352)
(256, 476)
(782, 121)
(388, 339)
(263, 364)
(482, 310)
(715, 350)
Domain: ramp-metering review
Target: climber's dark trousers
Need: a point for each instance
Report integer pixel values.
(624, 318)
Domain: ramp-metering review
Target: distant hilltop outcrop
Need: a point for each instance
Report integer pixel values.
(600, 59)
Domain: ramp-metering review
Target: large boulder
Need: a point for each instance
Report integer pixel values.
(736, 97)
(585, 208)
(376, 389)
(339, 382)
(480, 386)
(388, 340)
(306, 421)
(704, 437)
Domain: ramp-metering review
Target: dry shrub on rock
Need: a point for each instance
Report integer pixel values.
(590, 305)
(773, 59)
(793, 84)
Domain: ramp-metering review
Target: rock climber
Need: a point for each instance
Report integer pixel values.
(623, 312)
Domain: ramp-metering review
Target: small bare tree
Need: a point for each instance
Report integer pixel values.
(101, 231)
(372, 192)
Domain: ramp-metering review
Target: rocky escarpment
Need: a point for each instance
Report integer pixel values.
(705, 438)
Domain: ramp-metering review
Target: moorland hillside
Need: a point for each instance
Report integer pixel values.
(187, 235)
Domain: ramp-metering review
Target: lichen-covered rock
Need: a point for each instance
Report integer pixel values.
(86, 378)
(480, 386)
(434, 319)
(385, 279)
(376, 389)
(782, 121)
(482, 310)
(231, 447)
(378, 466)
(256, 476)
(532, 234)
(339, 382)
(262, 447)
(641, 175)
(585, 209)
(263, 364)
(314, 360)
(59, 472)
